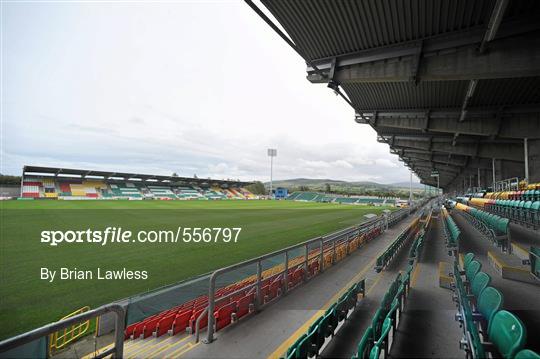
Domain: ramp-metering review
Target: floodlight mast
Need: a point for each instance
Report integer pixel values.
(272, 152)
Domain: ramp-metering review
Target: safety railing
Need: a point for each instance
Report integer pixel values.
(116, 350)
(510, 184)
(58, 340)
(323, 245)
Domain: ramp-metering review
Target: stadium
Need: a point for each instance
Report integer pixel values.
(127, 264)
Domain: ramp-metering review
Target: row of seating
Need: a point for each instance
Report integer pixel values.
(526, 213)
(378, 338)
(525, 195)
(323, 330)
(182, 318)
(452, 232)
(487, 327)
(416, 247)
(384, 259)
(493, 226)
(320, 197)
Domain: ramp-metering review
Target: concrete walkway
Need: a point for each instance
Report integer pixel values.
(427, 328)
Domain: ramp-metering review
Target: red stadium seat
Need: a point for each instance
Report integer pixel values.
(224, 315)
(222, 303)
(164, 324)
(193, 320)
(138, 330)
(244, 305)
(181, 321)
(65, 187)
(129, 330)
(314, 267)
(237, 296)
(150, 326)
(25, 183)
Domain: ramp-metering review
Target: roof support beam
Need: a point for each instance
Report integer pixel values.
(511, 152)
(493, 27)
(467, 99)
(509, 57)
(494, 23)
(494, 126)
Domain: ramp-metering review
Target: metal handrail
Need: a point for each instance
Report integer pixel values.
(117, 350)
(379, 221)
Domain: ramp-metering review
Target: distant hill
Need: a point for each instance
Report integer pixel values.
(360, 187)
(417, 185)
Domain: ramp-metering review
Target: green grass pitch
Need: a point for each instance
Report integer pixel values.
(28, 302)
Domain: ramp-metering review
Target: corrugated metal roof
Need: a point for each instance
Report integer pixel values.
(503, 92)
(406, 95)
(323, 28)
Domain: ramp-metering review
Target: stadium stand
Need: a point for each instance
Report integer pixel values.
(31, 188)
(384, 259)
(521, 207)
(236, 300)
(161, 192)
(491, 225)
(322, 197)
(48, 184)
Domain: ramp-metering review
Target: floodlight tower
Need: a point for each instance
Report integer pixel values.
(272, 152)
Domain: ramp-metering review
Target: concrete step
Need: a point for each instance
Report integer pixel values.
(510, 266)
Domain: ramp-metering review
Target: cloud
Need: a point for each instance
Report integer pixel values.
(136, 120)
(141, 105)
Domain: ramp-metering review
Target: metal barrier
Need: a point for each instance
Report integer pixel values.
(48, 329)
(344, 235)
(60, 339)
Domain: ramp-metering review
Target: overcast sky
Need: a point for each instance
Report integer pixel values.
(189, 87)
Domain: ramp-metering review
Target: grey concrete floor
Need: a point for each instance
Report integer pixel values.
(427, 328)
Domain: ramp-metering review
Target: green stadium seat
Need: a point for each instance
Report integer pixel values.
(382, 342)
(467, 259)
(332, 319)
(507, 333)
(394, 312)
(479, 283)
(365, 345)
(291, 353)
(324, 327)
(377, 322)
(307, 347)
(294, 347)
(320, 335)
(472, 270)
(489, 303)
(527, 354)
